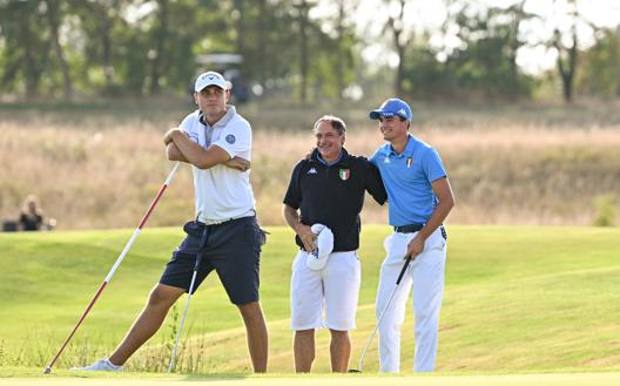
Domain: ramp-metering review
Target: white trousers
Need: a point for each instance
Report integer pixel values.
(426, 276)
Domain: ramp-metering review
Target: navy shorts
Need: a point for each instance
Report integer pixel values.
(231, 248)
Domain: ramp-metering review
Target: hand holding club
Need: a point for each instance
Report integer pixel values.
(415, 247)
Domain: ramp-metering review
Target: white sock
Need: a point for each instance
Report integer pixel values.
(112, 365)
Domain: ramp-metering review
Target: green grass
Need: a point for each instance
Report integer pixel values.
(149, 379)
(517, 300)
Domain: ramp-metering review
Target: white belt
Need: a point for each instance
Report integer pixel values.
(208, 221)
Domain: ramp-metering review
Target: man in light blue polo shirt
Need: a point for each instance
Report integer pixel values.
(419, 200)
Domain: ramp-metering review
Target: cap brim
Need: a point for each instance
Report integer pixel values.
(375, 114)
(212, 84)
(378, 114)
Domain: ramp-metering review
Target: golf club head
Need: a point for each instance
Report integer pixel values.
(47, 370)
(356, 371)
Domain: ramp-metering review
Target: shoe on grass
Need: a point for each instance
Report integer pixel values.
(100, 365)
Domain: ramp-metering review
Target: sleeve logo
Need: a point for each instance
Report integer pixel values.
(230, 139)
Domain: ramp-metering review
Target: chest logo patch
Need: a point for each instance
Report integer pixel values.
(386, 160)
(344, 174)
(311, 171)
(409, 161)
(231, 139)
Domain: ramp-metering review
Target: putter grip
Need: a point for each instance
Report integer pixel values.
(402, 271)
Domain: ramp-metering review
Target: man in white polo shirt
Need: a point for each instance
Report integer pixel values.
(217, 142)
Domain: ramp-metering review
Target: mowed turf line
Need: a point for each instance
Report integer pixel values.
(518, 299)
(141, 379)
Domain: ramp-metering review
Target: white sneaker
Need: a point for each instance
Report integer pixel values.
(100, 365)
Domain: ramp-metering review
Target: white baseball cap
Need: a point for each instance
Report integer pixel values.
(324, 246)
(211, 78)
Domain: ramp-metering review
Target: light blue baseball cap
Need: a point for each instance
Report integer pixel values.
(393, 107)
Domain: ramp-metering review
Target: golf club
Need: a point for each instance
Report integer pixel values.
(203, 243)
(118, 262)
(387, 305)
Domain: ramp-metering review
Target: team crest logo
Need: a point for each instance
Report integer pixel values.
(312, 171)
(409, 162)
(230, 139)
(344, 174)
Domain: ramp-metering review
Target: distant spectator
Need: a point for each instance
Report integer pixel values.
(9, 225)
(31, 217)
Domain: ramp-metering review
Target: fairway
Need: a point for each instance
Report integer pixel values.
(518, 300)
(576, 379)
(154, 147)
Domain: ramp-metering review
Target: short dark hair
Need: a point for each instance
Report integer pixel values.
(337, 123)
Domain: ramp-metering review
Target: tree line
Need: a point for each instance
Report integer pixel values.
(308, 50)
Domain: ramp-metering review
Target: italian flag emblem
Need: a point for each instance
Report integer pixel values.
(344, 174)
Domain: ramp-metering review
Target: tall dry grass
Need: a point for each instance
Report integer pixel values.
(98, 168)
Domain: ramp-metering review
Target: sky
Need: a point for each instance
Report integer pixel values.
(427, 15)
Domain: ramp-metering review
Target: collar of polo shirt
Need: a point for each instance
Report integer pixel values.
(230, 113)
(315, 156)
(408, 148)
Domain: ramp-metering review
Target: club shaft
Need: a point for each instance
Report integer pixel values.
(121, 257)
(203, 243)
(403, 270)
(86, 311)
(116, 264)
(387, 306)
(173, 355)
(143, 221)
(159, 194)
